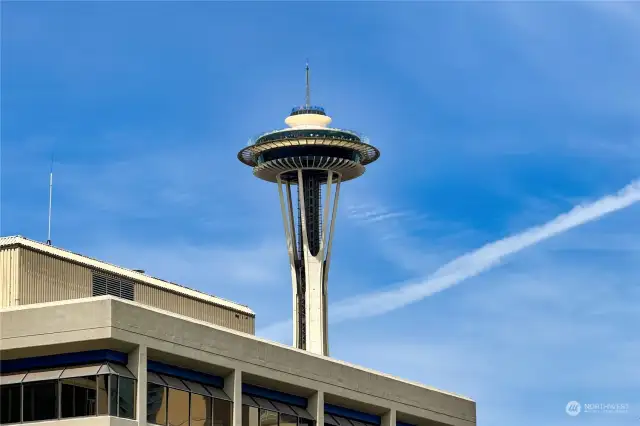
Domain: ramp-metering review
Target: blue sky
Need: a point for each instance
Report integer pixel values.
(491, 118)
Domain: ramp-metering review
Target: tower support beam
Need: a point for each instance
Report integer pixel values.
(309, 249)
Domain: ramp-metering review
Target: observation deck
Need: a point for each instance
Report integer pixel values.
(308, 144)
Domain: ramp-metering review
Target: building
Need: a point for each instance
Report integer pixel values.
(83, 342)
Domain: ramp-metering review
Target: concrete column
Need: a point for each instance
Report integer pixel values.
(389, 418)
(316, 407)
(233, 388)
(138, 366)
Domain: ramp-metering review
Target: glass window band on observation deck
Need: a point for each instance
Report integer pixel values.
(309, 151)
(337, 134)
(308, 109)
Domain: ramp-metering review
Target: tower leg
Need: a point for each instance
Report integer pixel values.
(327, 262)
(290, 236)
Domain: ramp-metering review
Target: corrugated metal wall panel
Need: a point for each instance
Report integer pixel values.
(162, 299)
(9, 267)
(47, 279)
(44, 278)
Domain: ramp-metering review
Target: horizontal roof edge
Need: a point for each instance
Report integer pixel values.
(124, 272)
(244, 335)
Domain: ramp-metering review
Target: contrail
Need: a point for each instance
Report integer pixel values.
(473, 263)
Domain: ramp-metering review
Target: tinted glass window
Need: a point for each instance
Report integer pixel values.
(268, 418)
(221, 412)
(78, 396)
(40, 401)
(201, 410)
(10, 404)
(178, 407)
(250, 416)
(113, 395)
(126, 397)
(288, 420)
(103, 395)
(156, 404)
(305, 422)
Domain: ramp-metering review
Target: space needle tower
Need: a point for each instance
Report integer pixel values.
(313, 158)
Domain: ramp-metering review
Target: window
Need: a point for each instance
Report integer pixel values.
(250, 416)
(103, 394)
(40, 401)
(334, 420)
(103, 284)
(10, 404)
(201, 410)
(156, 404)
(113, 395)
(258, 411)
(78, 396)
(268, 418)
(67, 392)
(178, 407)
(126, 398)
(221, 412)
(175, 402)
(288, 420)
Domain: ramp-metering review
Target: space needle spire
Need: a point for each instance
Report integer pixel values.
(309, 161)
(308, 92)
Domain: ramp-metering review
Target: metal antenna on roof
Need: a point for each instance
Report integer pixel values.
(50, 197)
(308, 96)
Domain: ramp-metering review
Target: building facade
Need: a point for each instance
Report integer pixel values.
(72, 357)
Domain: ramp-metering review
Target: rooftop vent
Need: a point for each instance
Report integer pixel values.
(111, 285)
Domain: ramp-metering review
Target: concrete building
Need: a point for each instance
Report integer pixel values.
(83, 342)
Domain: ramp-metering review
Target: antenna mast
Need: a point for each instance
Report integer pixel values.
(308, 96)
(50, 197)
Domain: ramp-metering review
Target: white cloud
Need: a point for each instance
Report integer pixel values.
(482, 259)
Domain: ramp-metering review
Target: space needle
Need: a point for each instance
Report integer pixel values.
(310, 156)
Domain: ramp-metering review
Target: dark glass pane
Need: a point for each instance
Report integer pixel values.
(40, 401)
(78, 397)
(66, 403)
(268, 418)
(178, 412)
(250, 416)
(103, 395)
(288, 420)
(113, 395)
(156, 404)
(10, 404)
(200, 410)
(221, 412)
(127, 398)
(305, 422)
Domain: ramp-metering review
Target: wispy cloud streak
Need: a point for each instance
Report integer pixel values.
(484, 258)
(475, 262)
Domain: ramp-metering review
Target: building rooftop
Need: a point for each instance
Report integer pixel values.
(129, 273)
(181, 340)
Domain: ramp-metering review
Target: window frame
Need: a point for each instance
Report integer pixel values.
(57, 376)
(279, 408)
